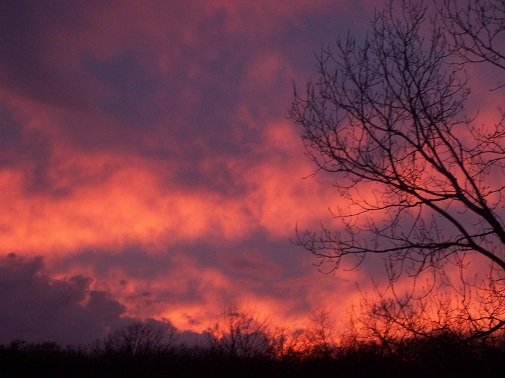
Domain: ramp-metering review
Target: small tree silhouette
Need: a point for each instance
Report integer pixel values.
(319, 338)
(140, 338)
(241, 333)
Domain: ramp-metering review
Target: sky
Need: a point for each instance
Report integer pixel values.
(148, 168)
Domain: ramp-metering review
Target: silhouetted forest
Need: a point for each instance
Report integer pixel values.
(241, 346)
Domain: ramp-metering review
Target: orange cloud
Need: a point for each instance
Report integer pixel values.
(129, 206)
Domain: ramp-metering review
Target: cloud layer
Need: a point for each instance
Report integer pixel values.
(146, 155)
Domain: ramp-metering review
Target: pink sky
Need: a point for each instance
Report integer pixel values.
(147, 167)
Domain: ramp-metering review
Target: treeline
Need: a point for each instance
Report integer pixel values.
(243, 345)
(441, 356)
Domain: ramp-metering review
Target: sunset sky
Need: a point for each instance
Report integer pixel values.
(148, 168)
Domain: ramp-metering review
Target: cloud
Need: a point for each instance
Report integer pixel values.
(146, 155)
(192, 282)
(37, 308)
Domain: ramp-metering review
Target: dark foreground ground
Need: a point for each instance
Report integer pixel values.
(443, 358)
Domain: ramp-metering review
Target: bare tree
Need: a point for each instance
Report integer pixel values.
(476, 29)
(422, 180)
(141, 338)
(319, 337)
(390, 321)
(241, 333)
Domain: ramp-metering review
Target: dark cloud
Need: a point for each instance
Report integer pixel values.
(13, 146)
(34, 61)
(130, 89)
(36, 307)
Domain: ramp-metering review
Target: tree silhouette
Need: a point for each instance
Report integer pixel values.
(319, 337)
(241, 333)
(422, 178)
(140, 338)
